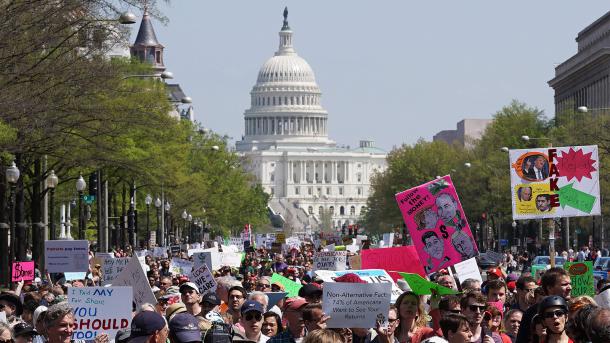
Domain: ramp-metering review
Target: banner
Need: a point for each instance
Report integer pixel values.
(368, 275)
(112, 267)
(330, 260)
(437, 224)
(133, 275)
(356, 305)
(23, 271)
(581, 274)
(400, 259)
(179, 266)
(555, 182)
(66, 256)
(204, 279)
(100, 310)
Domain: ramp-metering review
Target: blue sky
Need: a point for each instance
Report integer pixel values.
(391, 71)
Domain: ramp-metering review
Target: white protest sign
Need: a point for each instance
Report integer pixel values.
(179, 266)
(388, 239)
(368, 275)
(190, 252)
(231, 259)
(66, 256)
(237, 242)
(112, 267)
(133, 275)
(160, 252)
(330, 260)
(205, 257)
(100, 310)
(603, 298)
(293, 243)
(204, 279)
(356, 305)
(143, 253)
(330, 247)
(71, 276)
(103, 255)
(466, 270)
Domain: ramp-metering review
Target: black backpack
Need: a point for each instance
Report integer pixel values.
(218, 333)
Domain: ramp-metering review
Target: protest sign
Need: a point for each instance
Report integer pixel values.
(174, 249)
(99, 310)
(71, 276)
(230, 259)
(160, 252)
(193, 251)
(204, 279)
(421, 286)
(112, 267)
(23, 271)
(280, 238)
(437, 224)
(179, 266)
(293, 243)
(603, 298)
(200, 258)
(275, 297)
(581, 274)
(133, 275)
(538, 270)
(555, 182)
(368, 275)
(356, 305)
(355, 262)
(330, 260)
(330, 247)
(66, 256)
(3, 317)
(400, 259)
(388, 239)
(468, 269)
(291, 287)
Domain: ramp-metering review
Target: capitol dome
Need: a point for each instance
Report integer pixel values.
(285, 101)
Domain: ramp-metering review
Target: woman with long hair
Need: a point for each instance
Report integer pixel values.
(412, 319)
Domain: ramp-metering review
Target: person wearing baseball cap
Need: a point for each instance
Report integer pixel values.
(311, 292)
(210, 302)
(251, 321)
(148, 327)
(184, 328)
(293, 308)
(12, 307)
(190, 297)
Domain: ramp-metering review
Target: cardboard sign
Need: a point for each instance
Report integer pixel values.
(201, 258)
(555, 182)
(468, 269)
(355, 262)
(330, 260)
(112, 267)
(437, 224)
(133, 275)
(368, 275)
(400, 259)
(204, 279)
(71, 276)
(231, 259)
(160, 252)
(291, 287)
(179, 266)
(280, 238)
(421, 286)
(581, 274)
(66, 256)
(23, 271)
(100, 310)
(356, 305)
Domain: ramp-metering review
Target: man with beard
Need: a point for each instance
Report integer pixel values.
(237, 296)
(251, 321)
(554, 281)
(474, 305)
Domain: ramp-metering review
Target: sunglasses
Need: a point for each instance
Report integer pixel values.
(256, 316)
(264, 285)
(390, 320)
(553, 314)
(480, 308)
(456, 311)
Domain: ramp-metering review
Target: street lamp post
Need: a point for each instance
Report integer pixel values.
(12, 174)
(52, 181)
(80, 187)
(148, 201)
(189, 219)
(158, 204)
(167, 229)
(184, 216)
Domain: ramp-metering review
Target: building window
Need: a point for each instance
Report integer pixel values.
(327, 190)
(341, 210)
(158, 57)
(359, 177)
(362, 209)
(272, 177)
(310, 190)
(297, 190)
(310, 210)
(352, 211)
(332, 210)
(359, 190)
(340, 190)
(320, 210)
(273, 164)
(359, 165)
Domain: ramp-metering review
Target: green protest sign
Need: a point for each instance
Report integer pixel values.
(537, 271)
(291, 287)
(577, 199)
(421, 286)
(581, 274)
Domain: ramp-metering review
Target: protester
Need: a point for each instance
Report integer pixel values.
(6, 334)
(323, 336)
(525, 285)
(412, 326)
(148, 327)
(313, 317)
(251, 321)
(236, 297)
(293, 313)
(59, 323)
(598, 329)
(388, 334)
(12, 307)
(456, 328)
(184, 328)
(554, 312)
(190, 296)
(272, 324)
(511, 323)
(473, 306)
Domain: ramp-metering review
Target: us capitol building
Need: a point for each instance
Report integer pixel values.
(287, 148)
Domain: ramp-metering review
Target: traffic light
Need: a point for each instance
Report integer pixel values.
(93, 184)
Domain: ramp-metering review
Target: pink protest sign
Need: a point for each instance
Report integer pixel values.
(23, 271)
(437, 224)
(398, 259)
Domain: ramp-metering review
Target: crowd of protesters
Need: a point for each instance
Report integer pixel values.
(504, 308)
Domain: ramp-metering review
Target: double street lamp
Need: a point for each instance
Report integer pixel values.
(80, 188)
(148, 201)
(52, 181)
(184, 216)
(158, 204)
(12, 174)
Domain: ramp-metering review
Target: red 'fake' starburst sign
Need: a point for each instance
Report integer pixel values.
(575, 164)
